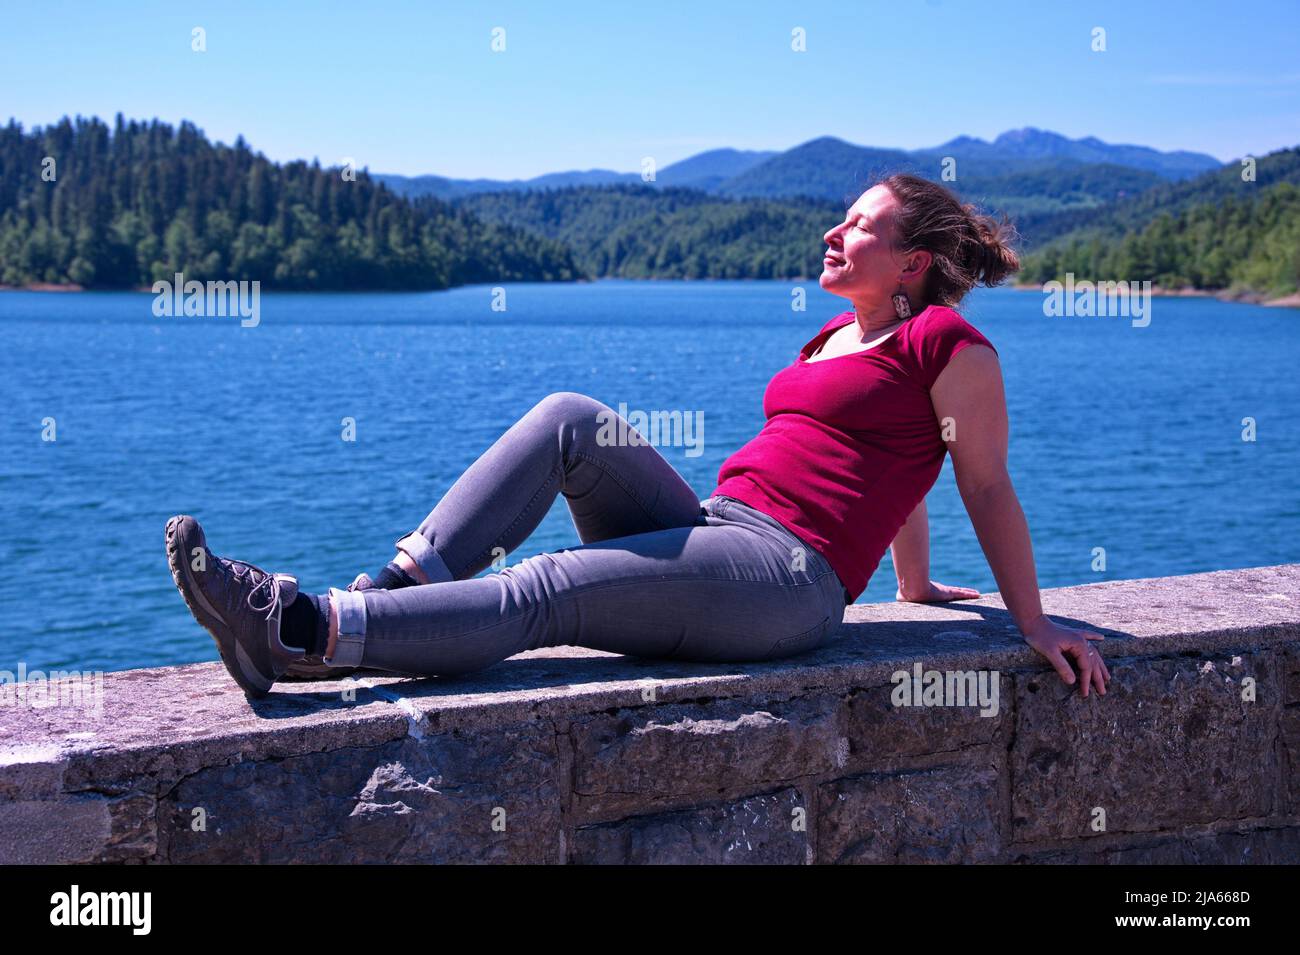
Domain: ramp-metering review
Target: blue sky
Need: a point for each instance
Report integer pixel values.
(415, 87)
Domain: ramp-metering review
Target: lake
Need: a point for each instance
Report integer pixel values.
(1123, 438)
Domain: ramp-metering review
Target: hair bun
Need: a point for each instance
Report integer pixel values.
(994, 257)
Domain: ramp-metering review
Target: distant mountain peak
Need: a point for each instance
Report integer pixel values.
(825, 141)
(1027, 135)
(963, 141)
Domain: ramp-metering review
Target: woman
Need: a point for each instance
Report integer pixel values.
(856, 432)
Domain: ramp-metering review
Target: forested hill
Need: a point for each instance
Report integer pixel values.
(142, 201)
(1134, 211)
(1216, 232)
(644, 232)
(1247, 244)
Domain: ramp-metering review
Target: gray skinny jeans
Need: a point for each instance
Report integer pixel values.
(659, 573)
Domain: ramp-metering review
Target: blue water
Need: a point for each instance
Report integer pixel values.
(1124, 438)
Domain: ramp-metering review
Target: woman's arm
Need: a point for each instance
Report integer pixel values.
(968, 396)
(911, 554)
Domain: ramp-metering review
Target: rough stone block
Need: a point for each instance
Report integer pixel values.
(1290, 737)
(1171, 744)
(633, 759)
(445, 798)
(758, 829)
(1290, 674)
(1257, 847)
(936, 815)
(72, 829)
(881, 734)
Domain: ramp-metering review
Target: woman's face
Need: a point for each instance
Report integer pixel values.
(860, 263)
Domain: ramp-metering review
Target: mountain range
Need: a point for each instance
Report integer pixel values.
(830, 168)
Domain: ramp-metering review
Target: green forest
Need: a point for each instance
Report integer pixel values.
(1216, 232)
(142, 201)
(85, 204)
(1249, 244)
(638, 232)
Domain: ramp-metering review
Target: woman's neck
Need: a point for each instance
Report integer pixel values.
(875, 317)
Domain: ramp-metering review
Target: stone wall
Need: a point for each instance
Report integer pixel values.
(568, 755)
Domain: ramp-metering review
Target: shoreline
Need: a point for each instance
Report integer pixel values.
(148, 290)
(43, 287)
(1245, 298)
(1223, 295)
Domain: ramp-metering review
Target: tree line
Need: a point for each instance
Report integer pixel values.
(1240, 243)
(122, 207)
(637, 232)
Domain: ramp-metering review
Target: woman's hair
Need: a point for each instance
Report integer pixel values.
(968, 248)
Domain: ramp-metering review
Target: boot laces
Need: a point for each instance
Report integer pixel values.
(264, 595)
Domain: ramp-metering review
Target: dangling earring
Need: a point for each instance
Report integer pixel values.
(902, 304)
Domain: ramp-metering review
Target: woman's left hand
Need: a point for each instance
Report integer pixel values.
(937, 593)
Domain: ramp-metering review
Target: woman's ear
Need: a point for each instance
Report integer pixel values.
(917, 263)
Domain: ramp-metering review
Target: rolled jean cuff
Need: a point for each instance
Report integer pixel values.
(416, 547)
(350, 606)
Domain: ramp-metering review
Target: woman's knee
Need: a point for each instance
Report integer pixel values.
(580, 421)
(569, 407)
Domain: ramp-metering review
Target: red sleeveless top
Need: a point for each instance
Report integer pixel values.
(851, 444)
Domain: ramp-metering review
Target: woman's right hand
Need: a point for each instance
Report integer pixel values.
(1057, 642)
(934, 592)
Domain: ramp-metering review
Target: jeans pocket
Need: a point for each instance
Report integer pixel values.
(802, 642)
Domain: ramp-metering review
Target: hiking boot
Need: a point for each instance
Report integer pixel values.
(236, 602)
(314, 667)
(362, 582)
